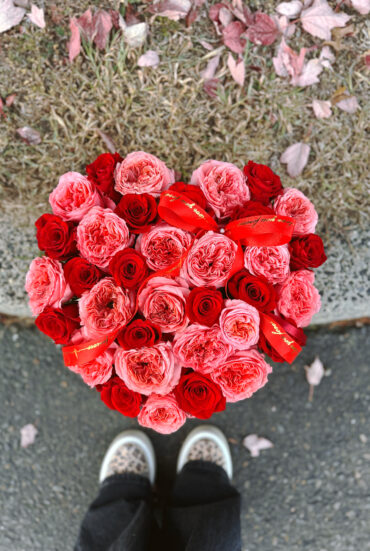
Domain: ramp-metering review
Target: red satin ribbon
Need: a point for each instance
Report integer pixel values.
(279, 339)
(81, 354)
(262, 230)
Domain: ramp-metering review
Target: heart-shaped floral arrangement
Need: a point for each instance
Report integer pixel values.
(165, 295)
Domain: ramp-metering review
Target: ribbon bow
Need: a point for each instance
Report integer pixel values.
(263, 230)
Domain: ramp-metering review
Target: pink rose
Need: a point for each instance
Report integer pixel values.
(223, 185)
(210, 260)
(105, 309)
(74, 196)
(239, 323)
(298, 299)
(201, 348)
(163, 245)
(148, 370)
(294, 203)
(269, 262)
(142, 172)
(162, 301)
(98, 371)
(241, 375)
(162, 414)
(45, 284)
(100, 235)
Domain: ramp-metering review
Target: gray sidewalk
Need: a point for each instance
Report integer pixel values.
(309, 492)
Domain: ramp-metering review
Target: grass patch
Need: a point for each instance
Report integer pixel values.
(165, 111)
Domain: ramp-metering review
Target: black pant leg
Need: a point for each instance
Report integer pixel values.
(204, 514)
(120, 518)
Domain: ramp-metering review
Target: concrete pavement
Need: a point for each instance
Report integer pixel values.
(311, 491)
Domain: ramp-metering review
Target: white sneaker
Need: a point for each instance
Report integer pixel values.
(207, 443)
(130, 452)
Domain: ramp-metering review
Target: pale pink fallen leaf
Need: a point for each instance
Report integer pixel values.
(263, 30)
(255, 444)
(10, 15)
(237, 69)
(29, 135)
(74, 44)
(210, 87)
(135, 35)
(28, 435)
(315, 372)
(290, 9)
(209, 72)
(362, 6)
(350, 104)
(326, 57)
(286, 27)
(149, 59)
(102, 24)
(86, 25)
(10, 100)
(232, 37)
(206, 45)
(37, 16)
(296, 157)
(107, 140)
(225, 16)
(309, 74)
(320, 19)
(322, 109)
(173, 9)
(2, 114)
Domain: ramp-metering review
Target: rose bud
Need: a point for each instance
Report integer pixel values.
(59, 323)
(307, 252)
(138, 334)
(115, 395)
(255, 290)
(56, 237)
(128, 268)
(263, 183)
(138, 211)
(198, 395)
(81, 275)
(101, 173)
(204, 305)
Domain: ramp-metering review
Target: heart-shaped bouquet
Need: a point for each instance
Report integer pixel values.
(166, 295)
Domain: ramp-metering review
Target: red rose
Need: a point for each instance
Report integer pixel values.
(81, 275)
(194, 193)
(198, 395)
(306, 252)
(101, 173)
(128, 268)
(290, 327)
(204, 305)
(56, 237)
(59, 323)
(138, 211)
(138, 334)
(115, 395)
(255, 290)
(251, 208)
(263, 183)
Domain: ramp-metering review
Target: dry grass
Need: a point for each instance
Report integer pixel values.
(166, 112)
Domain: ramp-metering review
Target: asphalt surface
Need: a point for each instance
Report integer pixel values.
(309, 492)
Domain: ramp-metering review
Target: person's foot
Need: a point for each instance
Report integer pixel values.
(206, 443)
(130, 452)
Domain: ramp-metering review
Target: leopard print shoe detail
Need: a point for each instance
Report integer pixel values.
(129, 458)
(206, 450)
